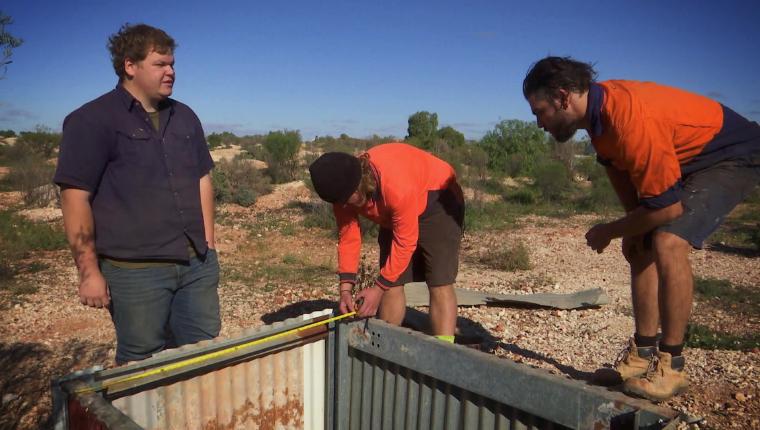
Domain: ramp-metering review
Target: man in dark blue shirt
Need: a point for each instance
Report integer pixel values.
(138, 205)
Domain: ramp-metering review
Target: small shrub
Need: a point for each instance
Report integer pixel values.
(488, 216)
(291, 259)
(590, 169)
(282, 154)
(238, 182)
(32, 176)
(318, 215)
(755, 237)
(505, 256)
(552, 180)
(366, 275)
(522, 196)
(18, 237)
(602, 196)
(754, 196)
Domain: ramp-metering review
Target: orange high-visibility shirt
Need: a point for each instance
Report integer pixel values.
(404, 174)
(651, 130)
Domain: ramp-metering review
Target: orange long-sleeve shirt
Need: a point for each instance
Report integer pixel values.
(404, 174)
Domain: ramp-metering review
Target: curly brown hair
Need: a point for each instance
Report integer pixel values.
(136, 42)
(547, 76)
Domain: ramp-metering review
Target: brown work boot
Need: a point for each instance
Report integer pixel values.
(664, 379)
(633, 361)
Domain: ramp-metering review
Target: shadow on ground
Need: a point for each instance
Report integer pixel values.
(27, 369)
(299, 308)
(469, 333)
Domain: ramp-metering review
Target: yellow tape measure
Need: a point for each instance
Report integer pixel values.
(205, 357)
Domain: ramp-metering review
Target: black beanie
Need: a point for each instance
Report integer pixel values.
(336, 175)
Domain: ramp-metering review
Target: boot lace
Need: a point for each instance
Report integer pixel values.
(622, 356)
(652, 369)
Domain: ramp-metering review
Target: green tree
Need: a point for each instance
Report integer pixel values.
(224, 138)
(514, 147)
(7, 43)
(7, 133)
(282, 154)
(451, 136)
(422, 129)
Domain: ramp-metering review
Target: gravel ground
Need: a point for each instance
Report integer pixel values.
(48, 333)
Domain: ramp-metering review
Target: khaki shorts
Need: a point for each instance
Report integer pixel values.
(436, 259)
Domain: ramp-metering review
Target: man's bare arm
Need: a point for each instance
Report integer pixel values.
(208, 207)
(626, 192)
(80, 233)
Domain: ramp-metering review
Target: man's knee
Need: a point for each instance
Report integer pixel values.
(668, 244)
(443, 295)
(637, 252)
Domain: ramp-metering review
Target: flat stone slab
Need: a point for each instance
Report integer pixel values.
(417, 295)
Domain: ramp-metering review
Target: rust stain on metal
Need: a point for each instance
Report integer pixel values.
(359, 333)
(309, 332)
(289, 414)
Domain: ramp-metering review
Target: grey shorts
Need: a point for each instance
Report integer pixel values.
(436, 259)
(709, 195)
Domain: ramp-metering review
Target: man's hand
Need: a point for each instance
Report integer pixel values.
(346, 302)
(93, 290)
(598, 237)
(370, 299)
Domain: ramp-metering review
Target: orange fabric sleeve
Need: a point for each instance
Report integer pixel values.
(406, 229)
(349, 240)
(649, 157)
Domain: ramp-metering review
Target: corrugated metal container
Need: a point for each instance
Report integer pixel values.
(278, 384)
(392, 378)
(364, 375)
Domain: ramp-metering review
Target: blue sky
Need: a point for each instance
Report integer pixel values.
(362, 67)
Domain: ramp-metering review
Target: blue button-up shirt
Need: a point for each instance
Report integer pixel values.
(144, 183)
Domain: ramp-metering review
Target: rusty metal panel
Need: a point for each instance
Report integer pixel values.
(393, 378)
(283, 389)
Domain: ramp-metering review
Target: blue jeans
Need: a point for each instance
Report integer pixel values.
(158, 307)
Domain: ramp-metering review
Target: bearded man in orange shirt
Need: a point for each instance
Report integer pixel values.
(679, 163)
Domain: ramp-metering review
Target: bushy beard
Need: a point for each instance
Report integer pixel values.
(565, 133)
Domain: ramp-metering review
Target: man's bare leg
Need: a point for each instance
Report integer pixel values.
(443, 310)
(393, 306)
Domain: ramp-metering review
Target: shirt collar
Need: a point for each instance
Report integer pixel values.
(130, 101)
(594, 109)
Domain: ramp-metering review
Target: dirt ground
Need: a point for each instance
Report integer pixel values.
(48, 333)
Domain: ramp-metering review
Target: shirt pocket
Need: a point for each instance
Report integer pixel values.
(136, 148)
(181, 147)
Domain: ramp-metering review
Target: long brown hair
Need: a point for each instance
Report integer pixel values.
(368, 183)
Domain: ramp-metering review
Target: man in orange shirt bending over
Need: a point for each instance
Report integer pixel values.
(679, 163)
(416, 200)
